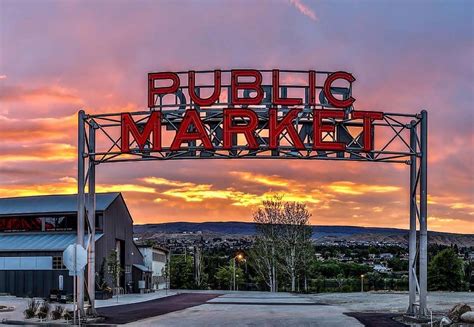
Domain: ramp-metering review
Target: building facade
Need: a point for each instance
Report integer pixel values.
(155, 259)
(34, 232)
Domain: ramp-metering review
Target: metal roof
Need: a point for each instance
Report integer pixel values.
(50, 204)
(141, 267)
(39, 241)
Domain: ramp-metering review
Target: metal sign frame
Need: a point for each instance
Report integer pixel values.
(401, 138)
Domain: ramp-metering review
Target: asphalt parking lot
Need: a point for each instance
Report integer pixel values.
(255, 309)
(224, 308)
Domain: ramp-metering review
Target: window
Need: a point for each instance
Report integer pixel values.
(20, 224)
(26, 263)
(56, 223)
(99, 221)
(38, 223)
(128, 269)
(58, 263)
(159, 257)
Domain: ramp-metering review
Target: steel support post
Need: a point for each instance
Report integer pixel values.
(412, 236)
(424, 214)
(91, 219)
(80, 203)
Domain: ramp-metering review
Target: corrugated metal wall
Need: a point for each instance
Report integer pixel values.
(38, 283)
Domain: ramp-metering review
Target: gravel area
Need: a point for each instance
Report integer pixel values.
(391, 301)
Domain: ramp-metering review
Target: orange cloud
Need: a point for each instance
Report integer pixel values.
(352, 188)
(37, 129)
(67, 185)
(164, 181)
(39, 152)
(45, 94)
(273, 180)
(191, 192)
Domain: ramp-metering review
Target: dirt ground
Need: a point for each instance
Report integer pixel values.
(438, 302)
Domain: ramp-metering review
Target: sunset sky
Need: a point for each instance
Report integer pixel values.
(57, 57)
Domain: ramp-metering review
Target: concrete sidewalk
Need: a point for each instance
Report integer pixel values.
(133, 298)
(20, 303)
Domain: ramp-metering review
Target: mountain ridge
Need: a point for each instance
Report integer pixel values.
(320, 232)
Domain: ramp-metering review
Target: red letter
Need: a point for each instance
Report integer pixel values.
(275, 128)
(152, 90)
(153, 124)
(215, 95)
(248, 129)
(191, 118)
(319, 127)
(255, 85)
(327, 89)
(276, 92)
(368, 117)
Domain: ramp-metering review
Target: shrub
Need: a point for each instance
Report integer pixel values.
(68, 315)
(43, 310)
(57, 312)
(31, 309)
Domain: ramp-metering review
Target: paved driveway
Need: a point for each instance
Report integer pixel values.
(255, 309)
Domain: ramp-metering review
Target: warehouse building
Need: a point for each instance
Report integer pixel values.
(35, 230)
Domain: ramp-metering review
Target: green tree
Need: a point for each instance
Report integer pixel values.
(114, 268)
(354, 269)
(182, 272)
(225, 275)
(100, 282)
(445, 272)
(330, 269)
(397, 265)
(374, 280)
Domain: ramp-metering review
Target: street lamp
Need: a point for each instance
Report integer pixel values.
(239, 257)
(362, 283)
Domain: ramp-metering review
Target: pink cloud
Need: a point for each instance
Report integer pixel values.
(304, 9)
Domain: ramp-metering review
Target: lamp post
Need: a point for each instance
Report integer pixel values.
(239, 256)
(362, 283)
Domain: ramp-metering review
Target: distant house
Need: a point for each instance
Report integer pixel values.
(386, 256)
(381, 268)
(470, 256)
(155, 259)
(35, 230)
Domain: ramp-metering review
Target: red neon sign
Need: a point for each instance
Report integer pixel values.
(246, 94)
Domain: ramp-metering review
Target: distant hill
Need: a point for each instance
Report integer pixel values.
(320, 233)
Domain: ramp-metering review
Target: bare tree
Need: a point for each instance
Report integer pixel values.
(307, 255)
(267, 219)
(262, 262)
(282, 242)
(294, 239)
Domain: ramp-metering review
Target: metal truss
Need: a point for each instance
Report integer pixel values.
(392, 140)
(398, 138)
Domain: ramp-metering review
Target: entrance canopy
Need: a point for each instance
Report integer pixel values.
(258, 114)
